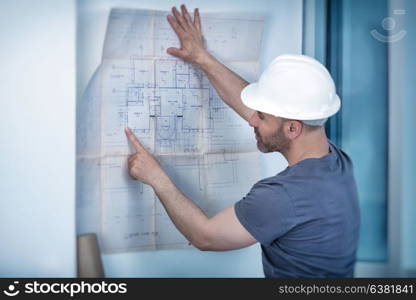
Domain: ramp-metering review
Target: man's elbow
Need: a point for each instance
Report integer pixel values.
(203, 247)
(203, 242)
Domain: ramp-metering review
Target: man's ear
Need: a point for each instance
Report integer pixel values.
(293, 129)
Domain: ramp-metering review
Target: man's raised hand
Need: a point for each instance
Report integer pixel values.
(190, 36)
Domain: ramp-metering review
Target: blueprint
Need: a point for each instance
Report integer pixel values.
(205, 147)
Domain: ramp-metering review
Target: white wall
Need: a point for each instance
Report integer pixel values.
(37, 138)
(282, 34)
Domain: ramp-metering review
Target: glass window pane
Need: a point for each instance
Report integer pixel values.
(358, 61)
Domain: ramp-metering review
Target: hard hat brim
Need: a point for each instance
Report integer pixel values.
(252, 98)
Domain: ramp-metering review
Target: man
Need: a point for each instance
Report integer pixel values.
(306, 217)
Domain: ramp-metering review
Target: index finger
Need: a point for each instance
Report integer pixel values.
(132, 138)
(175, 26)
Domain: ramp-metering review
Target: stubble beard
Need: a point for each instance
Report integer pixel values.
(277, 142)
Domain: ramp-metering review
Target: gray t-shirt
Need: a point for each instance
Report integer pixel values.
(306, 218)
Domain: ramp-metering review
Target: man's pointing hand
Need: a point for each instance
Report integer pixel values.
(142, 165)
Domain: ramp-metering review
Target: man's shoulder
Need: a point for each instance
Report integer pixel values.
(277, 180)
(273, 185)
(339, 152)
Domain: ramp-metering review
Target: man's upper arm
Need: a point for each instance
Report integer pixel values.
(225, 232)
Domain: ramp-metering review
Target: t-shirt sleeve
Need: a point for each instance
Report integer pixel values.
(266, 212)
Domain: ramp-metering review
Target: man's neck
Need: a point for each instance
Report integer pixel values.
(313, 145)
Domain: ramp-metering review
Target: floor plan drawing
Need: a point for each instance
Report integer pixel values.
(204, 146)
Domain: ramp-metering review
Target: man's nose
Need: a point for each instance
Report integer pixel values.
(253, 121)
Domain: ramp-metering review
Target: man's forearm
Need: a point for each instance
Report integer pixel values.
(227, 84)
(185, 214)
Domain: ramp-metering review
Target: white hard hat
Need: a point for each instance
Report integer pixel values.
(294, 87)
